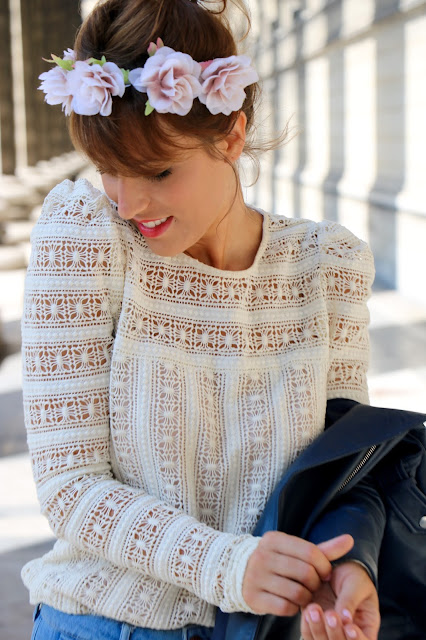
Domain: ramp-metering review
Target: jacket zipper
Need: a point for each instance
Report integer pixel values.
(358, 467)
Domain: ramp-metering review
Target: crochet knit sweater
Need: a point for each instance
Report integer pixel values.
(164, 398)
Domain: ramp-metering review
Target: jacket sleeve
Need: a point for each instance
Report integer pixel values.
(358, 511)
(361, 513)
(73, 293)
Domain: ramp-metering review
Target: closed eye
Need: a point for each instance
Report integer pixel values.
(162, 175)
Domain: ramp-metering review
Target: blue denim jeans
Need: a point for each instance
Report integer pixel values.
(51, 624)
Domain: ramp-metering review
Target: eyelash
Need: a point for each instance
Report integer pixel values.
(157, 178)
(161, 176)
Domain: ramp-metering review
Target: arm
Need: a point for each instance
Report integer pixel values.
(361, 513)
(353, 585)
(74, 289)
(348, 272)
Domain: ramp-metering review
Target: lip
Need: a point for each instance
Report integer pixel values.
(155, 232)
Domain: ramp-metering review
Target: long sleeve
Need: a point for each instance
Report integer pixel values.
(347, 269)
(358, 510)
(74, 289)
(348, 273)
(361, 513)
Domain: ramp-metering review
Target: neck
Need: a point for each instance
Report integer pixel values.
(233, 240)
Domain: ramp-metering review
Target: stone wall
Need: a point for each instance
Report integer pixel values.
(349, 76)
(29, 32)
(7, 146)
(35, 149)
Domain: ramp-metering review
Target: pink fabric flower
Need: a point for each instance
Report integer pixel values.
(205, 64)
(171, 80)
(69, 54)
(224, 81)
(55, 86)
(92, 87)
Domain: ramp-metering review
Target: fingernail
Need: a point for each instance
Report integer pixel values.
(315, 616)
(347, 614)
(331, 621)
(351, 633)
(328, 578)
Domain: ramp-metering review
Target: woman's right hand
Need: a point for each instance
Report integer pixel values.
(284, 571)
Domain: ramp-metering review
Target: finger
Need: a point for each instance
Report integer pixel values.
(314, 619)
(305, 631)
(292, 591)
(268, 603)
(323, 626)
(294, 569)
(336, 547)
(333, 626)
(352, 632)
(295, 547)
(348, 600)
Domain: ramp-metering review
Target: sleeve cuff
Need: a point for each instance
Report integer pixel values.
(233, 587)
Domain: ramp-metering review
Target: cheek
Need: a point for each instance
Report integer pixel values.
(207, 185)
(184, 195)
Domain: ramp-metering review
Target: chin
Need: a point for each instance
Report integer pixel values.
(164, 252)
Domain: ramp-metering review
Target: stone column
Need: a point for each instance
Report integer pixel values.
(48, 27)
(63, 23)
(7, 141)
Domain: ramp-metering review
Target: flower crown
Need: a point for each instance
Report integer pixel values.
(171, 79)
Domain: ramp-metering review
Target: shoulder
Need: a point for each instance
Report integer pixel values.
(337, 243)
(81, 206)
(347, 262)
(290, 239)
(325, 242)
(79, 233)
(282, 228)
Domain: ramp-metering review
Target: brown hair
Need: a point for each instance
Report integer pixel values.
(127, 142)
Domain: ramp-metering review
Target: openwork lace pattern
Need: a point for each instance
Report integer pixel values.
(164, 398)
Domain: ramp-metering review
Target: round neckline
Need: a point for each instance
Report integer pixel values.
(184, 259)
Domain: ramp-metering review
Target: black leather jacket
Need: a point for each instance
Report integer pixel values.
(364, 475)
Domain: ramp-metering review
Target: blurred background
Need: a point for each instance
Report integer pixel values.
(349, 77)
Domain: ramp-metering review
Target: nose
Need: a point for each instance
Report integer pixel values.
(132, 197)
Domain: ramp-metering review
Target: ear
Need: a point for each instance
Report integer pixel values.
(236, 139)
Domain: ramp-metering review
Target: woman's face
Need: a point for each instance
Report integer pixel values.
(181, 207)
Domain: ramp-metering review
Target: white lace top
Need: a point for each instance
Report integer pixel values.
(164, 398)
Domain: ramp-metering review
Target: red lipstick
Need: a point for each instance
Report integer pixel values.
(153, 232)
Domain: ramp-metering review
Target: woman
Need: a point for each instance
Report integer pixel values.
(179, 348)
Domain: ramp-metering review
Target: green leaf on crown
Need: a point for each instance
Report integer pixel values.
(148, 108)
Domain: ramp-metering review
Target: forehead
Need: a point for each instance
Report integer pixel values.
(134, 153)
(129, 143)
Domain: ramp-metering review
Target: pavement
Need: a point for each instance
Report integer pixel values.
(397, 379)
